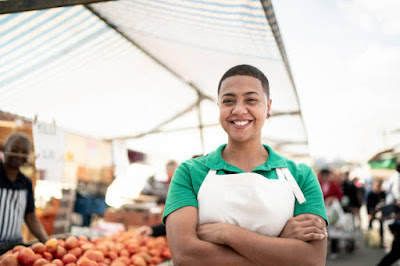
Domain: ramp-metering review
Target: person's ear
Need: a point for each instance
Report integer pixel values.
(269, 102)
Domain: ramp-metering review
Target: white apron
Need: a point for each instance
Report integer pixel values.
(249, 200)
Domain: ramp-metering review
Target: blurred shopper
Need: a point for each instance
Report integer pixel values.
(393, 188)
(160, 189)
(244, 204)
(393, 196)
(353, 191)
(374, 197)
(346, 185)
(330, 188)
(16, 193)
(356, 198)
(331, 191)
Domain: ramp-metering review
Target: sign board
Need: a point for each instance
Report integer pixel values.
(49, 143)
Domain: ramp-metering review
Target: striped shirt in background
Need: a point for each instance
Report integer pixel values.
(16, 199)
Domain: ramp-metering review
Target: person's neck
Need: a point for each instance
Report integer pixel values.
(246, 156)
(11, 173)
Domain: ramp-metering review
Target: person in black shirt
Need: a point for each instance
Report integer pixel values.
(374, 197)
(16, 193)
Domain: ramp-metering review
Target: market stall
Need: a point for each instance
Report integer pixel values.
(141, 75)
(144, 72)
(383, 164)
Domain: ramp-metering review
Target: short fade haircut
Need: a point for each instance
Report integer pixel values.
(14, 137)
(247, 70)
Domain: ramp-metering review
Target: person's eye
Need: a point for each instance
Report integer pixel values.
(227, 101)
(252, 100)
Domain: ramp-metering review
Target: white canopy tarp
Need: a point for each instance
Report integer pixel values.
(145, 71)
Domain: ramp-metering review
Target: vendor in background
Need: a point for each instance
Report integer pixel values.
(16, 193)
(160, 189)
(159, 229)
(155, 230)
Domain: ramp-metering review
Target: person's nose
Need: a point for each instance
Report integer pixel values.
(239, 109)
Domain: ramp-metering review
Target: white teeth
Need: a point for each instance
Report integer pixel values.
(240, 123)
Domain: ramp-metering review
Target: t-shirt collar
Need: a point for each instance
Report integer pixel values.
(3, 173)
(216, 162)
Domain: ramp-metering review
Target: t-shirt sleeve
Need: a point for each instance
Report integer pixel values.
(181, 192)
(312, 192)
(30, 202)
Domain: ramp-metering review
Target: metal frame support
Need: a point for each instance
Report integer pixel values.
(13, 6)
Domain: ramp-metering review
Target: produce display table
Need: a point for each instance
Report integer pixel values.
(120, 249)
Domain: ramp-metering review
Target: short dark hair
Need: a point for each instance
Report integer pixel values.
(246, 70)
(171, 163)
(325, 171)
(398, 166)
(14, 137)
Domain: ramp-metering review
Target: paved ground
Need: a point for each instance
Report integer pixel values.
(363, 255)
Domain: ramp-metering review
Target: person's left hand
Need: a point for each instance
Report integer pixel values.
(305, 227)
(213, 232)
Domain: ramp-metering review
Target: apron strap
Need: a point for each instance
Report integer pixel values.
(284, 172)
(212, 172)
(280, 174)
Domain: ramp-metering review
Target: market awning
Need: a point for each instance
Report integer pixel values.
(386, 159)
(145, 70)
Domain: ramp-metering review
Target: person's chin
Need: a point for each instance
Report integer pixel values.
(239, 139)
(14, 166)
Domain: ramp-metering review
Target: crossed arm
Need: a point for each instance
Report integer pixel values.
(302, 242)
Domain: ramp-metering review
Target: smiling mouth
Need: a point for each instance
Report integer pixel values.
(241, 123)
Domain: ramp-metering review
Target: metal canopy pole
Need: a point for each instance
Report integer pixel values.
(270, 15)
(199, 99)
(156, 129)
(201, 95)
(155, 59)
(13, 6)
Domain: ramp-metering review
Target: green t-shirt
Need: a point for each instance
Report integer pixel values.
(189, 176)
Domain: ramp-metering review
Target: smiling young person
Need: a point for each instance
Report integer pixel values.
(244, 204)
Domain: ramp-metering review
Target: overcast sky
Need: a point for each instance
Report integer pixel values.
(345, 57)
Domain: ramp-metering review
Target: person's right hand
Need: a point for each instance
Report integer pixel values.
(305, 227)
(144, 231)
